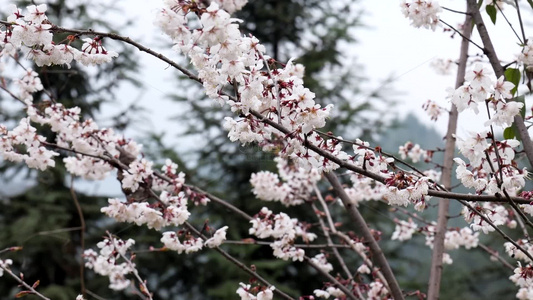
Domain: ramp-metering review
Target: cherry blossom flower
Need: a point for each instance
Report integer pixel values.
(36, 14)
(321, 261)
(404, 230)
(4, 264)
(526, 56)
(106, 263)
(218, 238)
(421, 13)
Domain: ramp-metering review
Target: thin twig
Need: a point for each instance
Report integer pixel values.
(144, 289)
(497, 256)
(239, 264)
(82, 234)
(462, 35)
(360, 224)
(455, 11)
(509, 23)
(92, 294)
(28, 287)
(330, 242)
(339, 285)
(520, 21)
(308, 246)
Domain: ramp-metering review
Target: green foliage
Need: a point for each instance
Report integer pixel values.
(491, 11)
(513, 75)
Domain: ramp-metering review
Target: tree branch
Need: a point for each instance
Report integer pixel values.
(449, 152)
(360, 224)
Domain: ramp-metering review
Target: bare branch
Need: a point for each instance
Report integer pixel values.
(361, 226)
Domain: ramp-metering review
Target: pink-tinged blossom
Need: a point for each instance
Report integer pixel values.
(502, 89)
(189, 245)
(442, 66)
(246, 292)
(231, 6)
(36, 14)
(504, 113)
(413, 151)
(473, 147)
(404, 230)
(364, 269)
(516, 253)
(218, 238)
(497, 214)
(284, 230)
(526, 56)
(106, 262)
(296, 187)
(522, 277)
(433, 109)
(377, 290)
(5, 264)
(479, 77)
(322, 263)
(138, 171)
(222, 56)
(421, 13)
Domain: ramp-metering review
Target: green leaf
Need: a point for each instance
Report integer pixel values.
(491, 11)
(510, 133)
(513, 76)
(530, 3)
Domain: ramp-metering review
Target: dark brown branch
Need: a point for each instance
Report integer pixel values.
(344, 289)
(360, 225)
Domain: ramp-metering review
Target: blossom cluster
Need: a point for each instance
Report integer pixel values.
(190, 244)
(322, 262)
(479, 87)
(297, 186)
(106, 261)
(523, 275)
(247, 292)
(523, 278)
(404, 230)
(526, 56)
(433, 109)
(32, 33)
(497, 214)
(231, 6)
(4, 264)
(284, 230)
(224, 57)
(413, 151)
(422, 13)
(491, 168)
